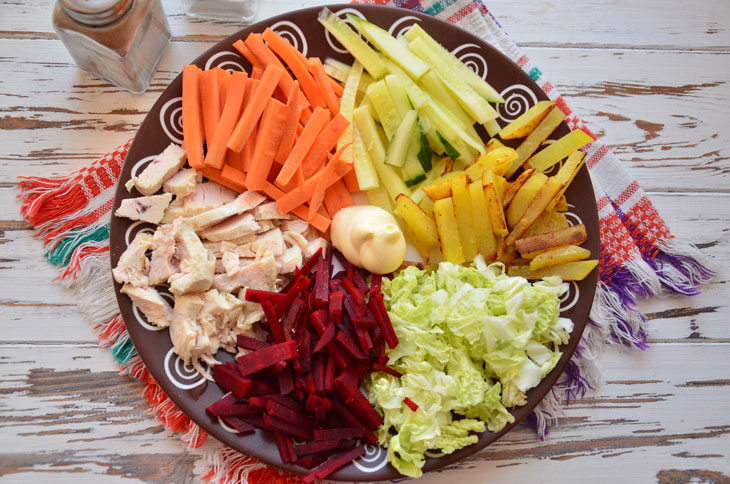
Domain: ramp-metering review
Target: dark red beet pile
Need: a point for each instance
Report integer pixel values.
(326, 332)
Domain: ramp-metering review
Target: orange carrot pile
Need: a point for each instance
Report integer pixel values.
(274, 130)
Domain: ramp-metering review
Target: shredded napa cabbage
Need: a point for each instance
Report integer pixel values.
(472, 341)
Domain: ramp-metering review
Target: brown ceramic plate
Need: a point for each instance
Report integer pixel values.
(163, 125)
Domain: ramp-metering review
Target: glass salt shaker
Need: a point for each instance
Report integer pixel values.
(232, 10)
(120, 41)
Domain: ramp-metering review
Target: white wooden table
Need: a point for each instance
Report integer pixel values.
(650, 76)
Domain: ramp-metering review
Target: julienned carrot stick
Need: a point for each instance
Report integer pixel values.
(337, 197)
(217, 149)
(332, 172)
(192, 116)
(234, 160)
(315, 65)
(324, 143)
(263, 53)
(257, 72)
(319, 221)
(287, 53)
(305, 115)
(351, 181)
(267, 141)
(302, 146)
(212, 174)
(247, 151)
(210, 103)
(255, 107)
(250, 57)
(224, 83)
(336, 87)
(233, 176)
(292, 121)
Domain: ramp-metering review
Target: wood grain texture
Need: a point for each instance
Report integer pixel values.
(650, 77)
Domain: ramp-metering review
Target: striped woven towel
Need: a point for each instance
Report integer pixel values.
(639, 259)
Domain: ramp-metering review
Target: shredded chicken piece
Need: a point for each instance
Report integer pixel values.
(245, 201)
(154, 307)
(182, 183)
(133, 266)
(273, 241)
(235, 227)
(162, 264)
(260, 274)
(196, 263)
(290, 260)
(160, 169)
(270, 211)
(148, 209)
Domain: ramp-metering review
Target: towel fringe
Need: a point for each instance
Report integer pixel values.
(681, 267)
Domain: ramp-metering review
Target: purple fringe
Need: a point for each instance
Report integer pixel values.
(576, 384)
(684, 264)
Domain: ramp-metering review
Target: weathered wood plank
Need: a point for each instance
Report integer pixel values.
(620, 23)
(71, 398)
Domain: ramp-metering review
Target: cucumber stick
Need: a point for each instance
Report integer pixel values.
(391, 47)
(399, 144)
(379, 197)
(413, 172)
(433, 86)
(389, 176)
(371, 60)
(340, 70)
(347, 105)
(477, 83)
(415, 95)
(398, 94)
(385, 107)
(367, 177)
(477, 107)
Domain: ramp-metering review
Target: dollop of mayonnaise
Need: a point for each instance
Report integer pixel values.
(369, 237)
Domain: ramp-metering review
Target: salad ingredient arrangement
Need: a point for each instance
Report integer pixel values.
(472, 342)
(324, 333)
(369, 237)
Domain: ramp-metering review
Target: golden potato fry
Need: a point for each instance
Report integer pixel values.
(524, 196)
(532, 255)
(501, 185)
(498, 160)
(486, 243)
(558, 150)
(492, 144)
(535, 139)
(412, 239)
(427, 206)
(559, 256)
(572, 271)
(562, 204)
(495, 210)
(443, 211)
(464, 218)
(422, 226)
(567, 236)
(514, 187)
(548, 221)
(567, 173)
(441, 187)
(507, 256)
(525, 124)
(536, 207)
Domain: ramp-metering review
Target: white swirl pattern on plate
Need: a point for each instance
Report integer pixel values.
(336, 46)
(171, 119)
(573, 219)
(291, 32)
(138, 226)
(374, 459)
(396, 30)
(473, 60)
(226, 60)
(183, 373)
(570, 297)
(518, 99)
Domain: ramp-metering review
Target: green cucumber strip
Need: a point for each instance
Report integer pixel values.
(398, 94)
(481, 86)
(448, 148)
(367, 177)
(492, 127)
(392, 48)
(434, 87)
(399, 146)
(383, 104)
(371, 60)
(413, 172)
(475, 105)
(389, 176)
(448, 128)
(347, 106)
(335, 73)
(424, 151)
